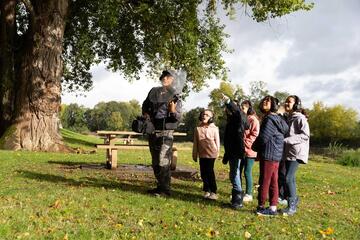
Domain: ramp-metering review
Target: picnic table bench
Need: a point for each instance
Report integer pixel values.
(111, 144)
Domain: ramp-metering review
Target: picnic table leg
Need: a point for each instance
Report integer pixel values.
(113, 158)
(108, 158)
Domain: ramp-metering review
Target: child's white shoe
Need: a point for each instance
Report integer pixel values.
(213, 196)
(206, 195)
(247, 198)
(282, 201)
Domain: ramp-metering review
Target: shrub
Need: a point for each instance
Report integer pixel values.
(335, 149)
(350, 158)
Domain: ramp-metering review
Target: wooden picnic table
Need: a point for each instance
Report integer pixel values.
(112, 137)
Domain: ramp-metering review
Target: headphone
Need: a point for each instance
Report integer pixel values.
(297, 105)
(201, 116)
(275, 104)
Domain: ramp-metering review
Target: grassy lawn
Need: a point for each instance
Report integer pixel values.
(48, 196)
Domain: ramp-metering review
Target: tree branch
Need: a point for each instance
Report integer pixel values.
(30, 8)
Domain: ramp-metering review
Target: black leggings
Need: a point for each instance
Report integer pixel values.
(207, 174)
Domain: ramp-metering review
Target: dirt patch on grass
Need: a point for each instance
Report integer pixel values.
(139, 172)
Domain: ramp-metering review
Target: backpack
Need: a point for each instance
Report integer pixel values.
(142, 125)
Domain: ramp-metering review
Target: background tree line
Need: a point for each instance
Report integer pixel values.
(104, 116)
(328, 124)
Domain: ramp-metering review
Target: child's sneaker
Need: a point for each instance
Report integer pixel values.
(213, 196)
(282, 201)
(206, 195)
(266, 212)
(247, 198)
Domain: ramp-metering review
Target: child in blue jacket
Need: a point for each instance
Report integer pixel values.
(269, 145)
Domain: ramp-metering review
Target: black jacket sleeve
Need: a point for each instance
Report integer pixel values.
(147, 106)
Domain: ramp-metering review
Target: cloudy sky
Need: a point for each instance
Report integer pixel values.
(315, 55)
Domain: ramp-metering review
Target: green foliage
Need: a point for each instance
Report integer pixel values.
(258, 90)
(263, 9)
(335, 149)
(132, 35)
(126, 35)
(191, 120)
(350, 158)
(73, 117)
(225, 88)
(216, 104)
(115, 121)
(333, 123)
(112, 115)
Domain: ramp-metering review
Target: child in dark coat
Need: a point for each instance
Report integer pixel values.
(236, 125)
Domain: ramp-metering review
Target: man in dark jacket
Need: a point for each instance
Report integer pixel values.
(234, 147)
(163, 107)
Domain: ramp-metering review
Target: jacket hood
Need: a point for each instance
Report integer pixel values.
(296, 115)
(279, 122)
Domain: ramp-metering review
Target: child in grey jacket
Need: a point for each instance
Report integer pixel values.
(296, 148)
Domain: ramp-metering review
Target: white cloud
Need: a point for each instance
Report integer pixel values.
(109, 86)
(258, 62)
(331, 89)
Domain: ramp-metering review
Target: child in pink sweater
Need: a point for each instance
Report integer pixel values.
(206, 146)
(249, 137)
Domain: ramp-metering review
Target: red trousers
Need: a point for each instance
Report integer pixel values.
(268, 182)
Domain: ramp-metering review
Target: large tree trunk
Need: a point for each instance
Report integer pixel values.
(7, 78)
(38, 70)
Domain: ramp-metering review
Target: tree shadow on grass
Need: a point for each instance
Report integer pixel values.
(77, 141)
(93, 165)
(128, 177)
(136, 186)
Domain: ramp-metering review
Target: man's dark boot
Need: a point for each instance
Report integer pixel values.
(291, 209)
(164, 180)
(236, 199)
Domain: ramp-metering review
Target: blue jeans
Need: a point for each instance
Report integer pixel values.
(291, 167)
(234, 174)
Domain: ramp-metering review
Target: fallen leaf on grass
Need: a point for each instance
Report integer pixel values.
(140, 222)
(330, 192)
(66, 237)
(212, 233)
(119, 225)
(247, 235)
(56, 204)
(327, 231)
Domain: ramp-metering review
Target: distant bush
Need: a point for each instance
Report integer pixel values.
(350, 158)
(335, 149)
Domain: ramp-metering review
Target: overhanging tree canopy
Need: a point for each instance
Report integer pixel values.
(44, 43)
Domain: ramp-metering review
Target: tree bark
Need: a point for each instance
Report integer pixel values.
(38, 70)
(7, 31)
